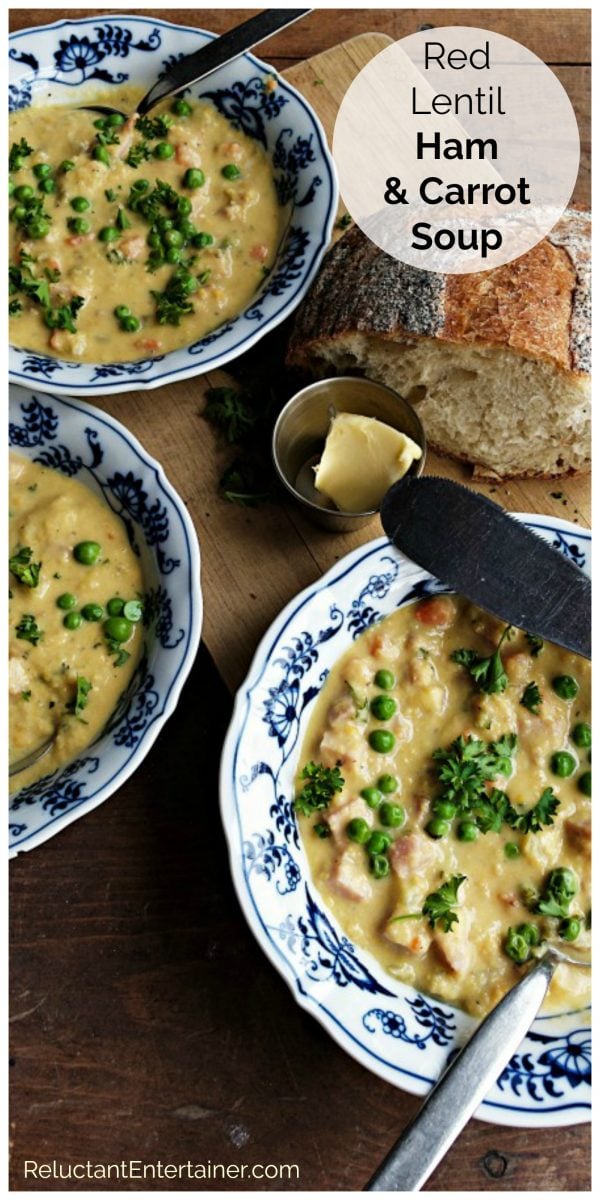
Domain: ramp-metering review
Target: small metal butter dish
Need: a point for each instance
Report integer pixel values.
(303, 425)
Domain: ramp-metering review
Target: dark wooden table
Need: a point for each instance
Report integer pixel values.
(146, 1024)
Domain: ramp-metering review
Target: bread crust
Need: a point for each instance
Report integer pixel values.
(536, 306)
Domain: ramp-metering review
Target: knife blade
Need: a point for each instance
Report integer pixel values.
(470, 543)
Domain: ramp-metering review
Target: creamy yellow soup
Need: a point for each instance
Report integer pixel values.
(130, 241)
(64, 682)
(526, 816)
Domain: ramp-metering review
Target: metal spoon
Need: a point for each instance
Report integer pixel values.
(466, 1082)
(193, 67)
(33, 756)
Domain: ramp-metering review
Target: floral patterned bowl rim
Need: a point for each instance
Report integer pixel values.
(401, 1035)
(284, 122)
(82, 442)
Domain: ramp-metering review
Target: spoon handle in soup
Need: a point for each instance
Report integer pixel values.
(224, 49)
(463, 1085)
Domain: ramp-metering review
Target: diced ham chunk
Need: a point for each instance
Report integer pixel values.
(338, 819)
(348, 875)
(436, 610)
(259, 252)
(454, 948)
(579, 835)
(132, 246)
(413, 854)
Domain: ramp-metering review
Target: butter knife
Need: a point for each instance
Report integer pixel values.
(474, 546)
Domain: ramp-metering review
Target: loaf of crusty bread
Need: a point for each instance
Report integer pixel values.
(496, 363)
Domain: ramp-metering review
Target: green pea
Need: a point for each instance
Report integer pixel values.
(511, 850)
(99, 123)
(115, 119)
(154, 239)
(140, 185)
(183, 207)
(529, 932)
(391, 815)
(570, 929)
(199, 241)
(562, 764)
(358, 831)
(173, 255)
(379, 866)
(121, 311)
(92, 612)
(584, 783)
(384, 680)
(66, 600)
(118, 629)
(67, 165)
(11, 187)
(387, 784)
(133, 610)
(379, 842)
(47, 186)
(163, 223)
(131, 324)
(72, 620)
(39, 228)
(18, 212)
(87, 553)
(163, 150)
(444, 809)
(194, 178)
(115, 606)
(42, 170)
(383, 708)
(23, 192)
(437, 828)
(172, 237)
(79, 204)
(372, 796)
(100, 154)
(78, 225)
(188, 283)
(230, 171)
(181, 108)
(109, 233)
(187, 228)
(467, 831)
(516, 946)
(382, 741)
(18, 162)
(565, 686)
(581, 735)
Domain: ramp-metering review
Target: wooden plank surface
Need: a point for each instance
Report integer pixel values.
(146, 1022)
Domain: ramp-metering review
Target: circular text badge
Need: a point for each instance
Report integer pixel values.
(457, 150)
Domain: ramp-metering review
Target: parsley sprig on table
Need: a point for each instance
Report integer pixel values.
(23, 569)
(487, 672)
(231, 412)
(320, 787)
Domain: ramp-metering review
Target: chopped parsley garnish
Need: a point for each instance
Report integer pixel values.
(439, 906)
(18, 151)
(64, 315)
(322, 830)
(230, 412)
(82, 689)
(321, 785)
(536, 644)
(174, 303)
(469, 764)
(23, 569)
(154, 127)
(121, 655)
(559, 890)
(14, 308)
(28, 630)
(532, 698)
(138, 154)
(26, 696)
(30, 216)
(344, 221)
(487, 672)
(361, 703)
(532, 821)
(21, 279)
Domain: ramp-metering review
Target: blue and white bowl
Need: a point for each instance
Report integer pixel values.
(69, 61)
(401, 1035)
(83, 443)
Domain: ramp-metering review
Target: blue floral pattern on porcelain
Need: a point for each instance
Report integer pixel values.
(408, 1038)
(83, 55)
(86, 444)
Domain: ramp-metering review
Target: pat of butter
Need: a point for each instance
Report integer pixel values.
(362, 458)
